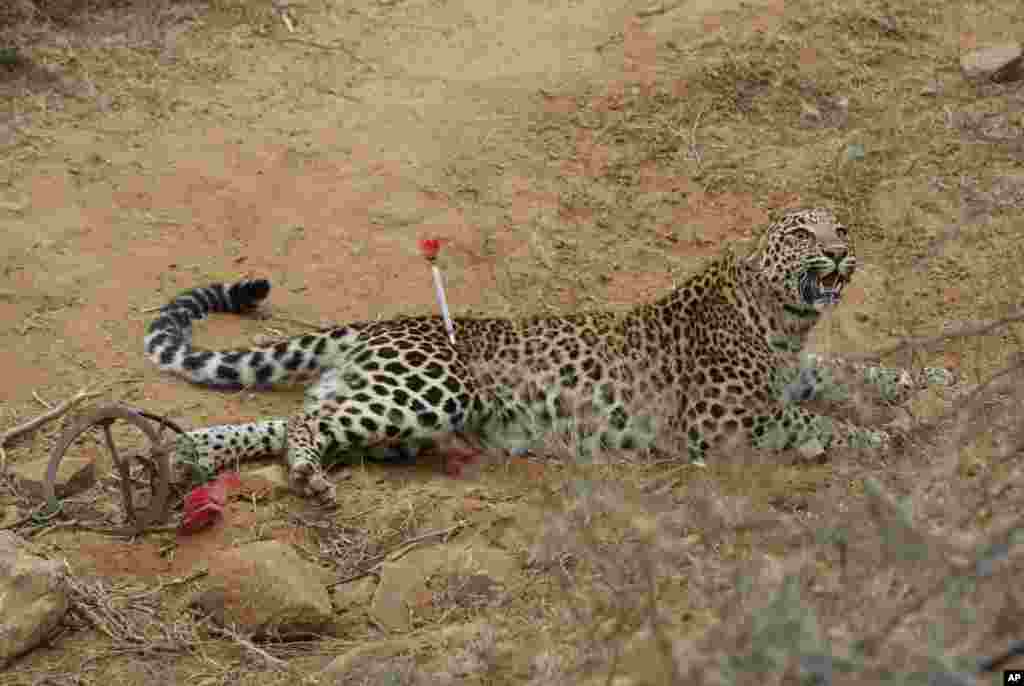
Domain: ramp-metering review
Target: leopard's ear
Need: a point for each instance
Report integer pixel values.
(753, 256)
(736, 261)
(727, 256)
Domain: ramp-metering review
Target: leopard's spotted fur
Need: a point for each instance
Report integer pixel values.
(714, 348)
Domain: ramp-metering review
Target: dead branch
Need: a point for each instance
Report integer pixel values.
(976, 329)
(127, 620)
(248, 645)
(34, 424)
(399, 551)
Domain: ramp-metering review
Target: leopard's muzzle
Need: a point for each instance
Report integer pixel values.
(819, 288)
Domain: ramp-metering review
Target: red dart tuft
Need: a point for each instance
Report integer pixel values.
(204, 505)
(429, 247)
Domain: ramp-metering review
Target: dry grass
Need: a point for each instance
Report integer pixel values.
(715, 576)
(130, 617)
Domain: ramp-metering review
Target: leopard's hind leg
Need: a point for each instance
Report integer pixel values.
(377, 397)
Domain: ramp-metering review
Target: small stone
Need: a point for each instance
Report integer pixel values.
(887, 24)
(998, 63)
(932, 88)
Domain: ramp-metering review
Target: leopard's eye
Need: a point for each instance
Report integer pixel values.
(842, 232)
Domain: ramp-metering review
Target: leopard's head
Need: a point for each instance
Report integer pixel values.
(807, 258)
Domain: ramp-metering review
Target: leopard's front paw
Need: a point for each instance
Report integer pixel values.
(320, 488)
(310, 482)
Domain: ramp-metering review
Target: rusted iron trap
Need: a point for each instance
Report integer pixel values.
(156, 463)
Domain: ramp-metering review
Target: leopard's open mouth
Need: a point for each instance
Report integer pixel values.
(819, 289)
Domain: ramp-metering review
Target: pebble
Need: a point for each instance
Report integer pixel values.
(997, 63)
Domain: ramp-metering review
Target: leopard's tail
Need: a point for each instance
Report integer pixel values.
(168, 341)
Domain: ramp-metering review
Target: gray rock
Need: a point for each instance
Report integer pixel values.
(399, 583)
(404, 580)
(33, 597)
(266, 589)
(998, 63)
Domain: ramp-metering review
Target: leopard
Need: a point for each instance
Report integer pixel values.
(719, 357)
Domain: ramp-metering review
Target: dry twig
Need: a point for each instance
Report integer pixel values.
(129, 620)
(398, 552)
(34, 424)
(977, 329)
(248, 645)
